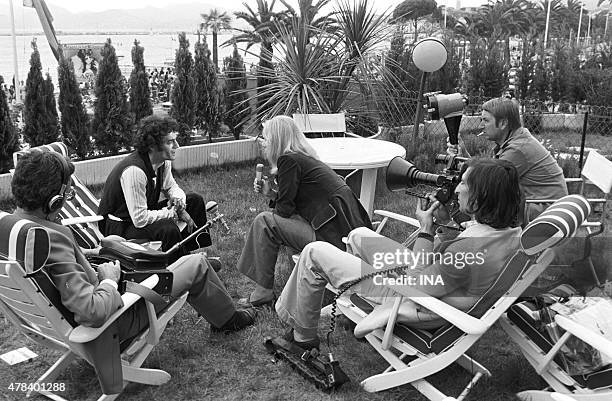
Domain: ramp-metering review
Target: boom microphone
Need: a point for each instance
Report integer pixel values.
(212, 209)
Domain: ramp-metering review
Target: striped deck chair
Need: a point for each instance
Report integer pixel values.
(81, 213)
(414, 355)
(31, 302)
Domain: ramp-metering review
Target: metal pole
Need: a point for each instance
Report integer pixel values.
(445, 13)
(607, 17)
(579, 25)
(547, 23)
(419, 109)
(18, 99)
(589, 31)
(584, 128)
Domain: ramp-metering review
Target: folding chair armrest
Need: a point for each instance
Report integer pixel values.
(590, 337)
(83, 334)
(573, 180)
(81, 220)
(466, 323)
(400, 217)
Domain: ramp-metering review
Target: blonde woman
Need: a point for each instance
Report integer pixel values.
(310, 203)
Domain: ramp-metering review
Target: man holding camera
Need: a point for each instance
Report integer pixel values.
(540, 176)
(131, 202)
(41, 185)
(489, 192)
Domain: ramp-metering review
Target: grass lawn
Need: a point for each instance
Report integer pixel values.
(211, 366)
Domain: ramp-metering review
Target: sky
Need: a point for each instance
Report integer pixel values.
(99, 5)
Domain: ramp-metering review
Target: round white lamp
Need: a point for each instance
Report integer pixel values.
(428, 55)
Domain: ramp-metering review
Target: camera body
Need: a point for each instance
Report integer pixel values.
(402, 175)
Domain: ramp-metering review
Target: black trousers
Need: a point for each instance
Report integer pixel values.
(166, 230)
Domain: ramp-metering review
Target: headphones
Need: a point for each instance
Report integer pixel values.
(55, 202)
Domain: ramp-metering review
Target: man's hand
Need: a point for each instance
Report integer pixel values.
(109, 270)
(456, 150)
(178, 203)
(184, 216)
(425, 214)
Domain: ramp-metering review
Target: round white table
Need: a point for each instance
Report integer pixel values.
(358, 154)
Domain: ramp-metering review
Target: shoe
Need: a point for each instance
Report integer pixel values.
(260, 303)
(215, 263)
(305, 345)
(240, 319)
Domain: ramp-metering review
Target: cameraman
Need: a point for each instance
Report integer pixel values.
(41, 185)
(131, 202)
(540, 176)
(489, 192)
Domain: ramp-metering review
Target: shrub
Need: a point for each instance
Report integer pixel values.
(140, 94)
(74, 119)
(112, 122)
(183, 92)
(235, 99)
(8, 134)
(205, 80)
(40, 112)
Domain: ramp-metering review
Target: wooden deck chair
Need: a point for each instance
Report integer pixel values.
(325, 125)
(597, 171)
(80, 213)
(30, 301)
(413, 355)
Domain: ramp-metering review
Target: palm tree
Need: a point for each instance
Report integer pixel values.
(263, 32)
(216, 22)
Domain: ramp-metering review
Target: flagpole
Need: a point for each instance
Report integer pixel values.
(547, 23)
(18, 99)
(589, 31)
(579, 25)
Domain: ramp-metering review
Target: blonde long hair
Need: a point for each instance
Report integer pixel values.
(283, 136)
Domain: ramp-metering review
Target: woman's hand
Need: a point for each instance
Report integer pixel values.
(263, 187)
(184, 216)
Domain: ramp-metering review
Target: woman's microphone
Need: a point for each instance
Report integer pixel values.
(259, 173)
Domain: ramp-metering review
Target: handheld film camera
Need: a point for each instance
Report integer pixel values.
(450, 108)
(401, 174)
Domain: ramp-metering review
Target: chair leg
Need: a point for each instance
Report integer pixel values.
(51, 374)
(153, 377)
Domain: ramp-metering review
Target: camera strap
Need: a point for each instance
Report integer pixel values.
(146, 293)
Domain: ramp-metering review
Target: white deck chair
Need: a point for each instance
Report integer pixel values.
(81, 213)
(597, 171)
(32, 304)
(414, 355)
(325, 124)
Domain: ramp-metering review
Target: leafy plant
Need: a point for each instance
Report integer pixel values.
(204, 74)
(183, 91)
(237, 108)
(8, 134)
(140, 94)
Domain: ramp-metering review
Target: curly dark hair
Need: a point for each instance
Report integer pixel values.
(495, 195)
(151, 131)
(37, 177)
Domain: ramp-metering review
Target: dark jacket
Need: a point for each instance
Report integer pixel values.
(310, 188)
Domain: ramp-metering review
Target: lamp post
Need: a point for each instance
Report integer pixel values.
(579, 25)
(18, 99)
(428, 55)
(547, 23)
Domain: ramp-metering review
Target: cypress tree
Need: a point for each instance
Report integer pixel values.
(74, 120)
(237, 108)
(140, 94)
(112, 122)
(51, 111)
(8, 134)
(40, 112)
(183, 93)
(205, 78)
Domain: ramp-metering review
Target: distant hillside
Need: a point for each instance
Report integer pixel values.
(175, 17)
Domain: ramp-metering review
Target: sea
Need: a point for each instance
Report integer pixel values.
(159, 51)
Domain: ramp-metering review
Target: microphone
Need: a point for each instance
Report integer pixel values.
(259, 172)
(212, 209)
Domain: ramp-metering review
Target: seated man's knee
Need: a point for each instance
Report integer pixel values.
(358, 234)
(263, 219)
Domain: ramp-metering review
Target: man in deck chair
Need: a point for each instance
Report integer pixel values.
(131, 203)
(457, 271)
(41, 185)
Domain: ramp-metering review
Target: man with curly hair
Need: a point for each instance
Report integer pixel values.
(141, 199)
